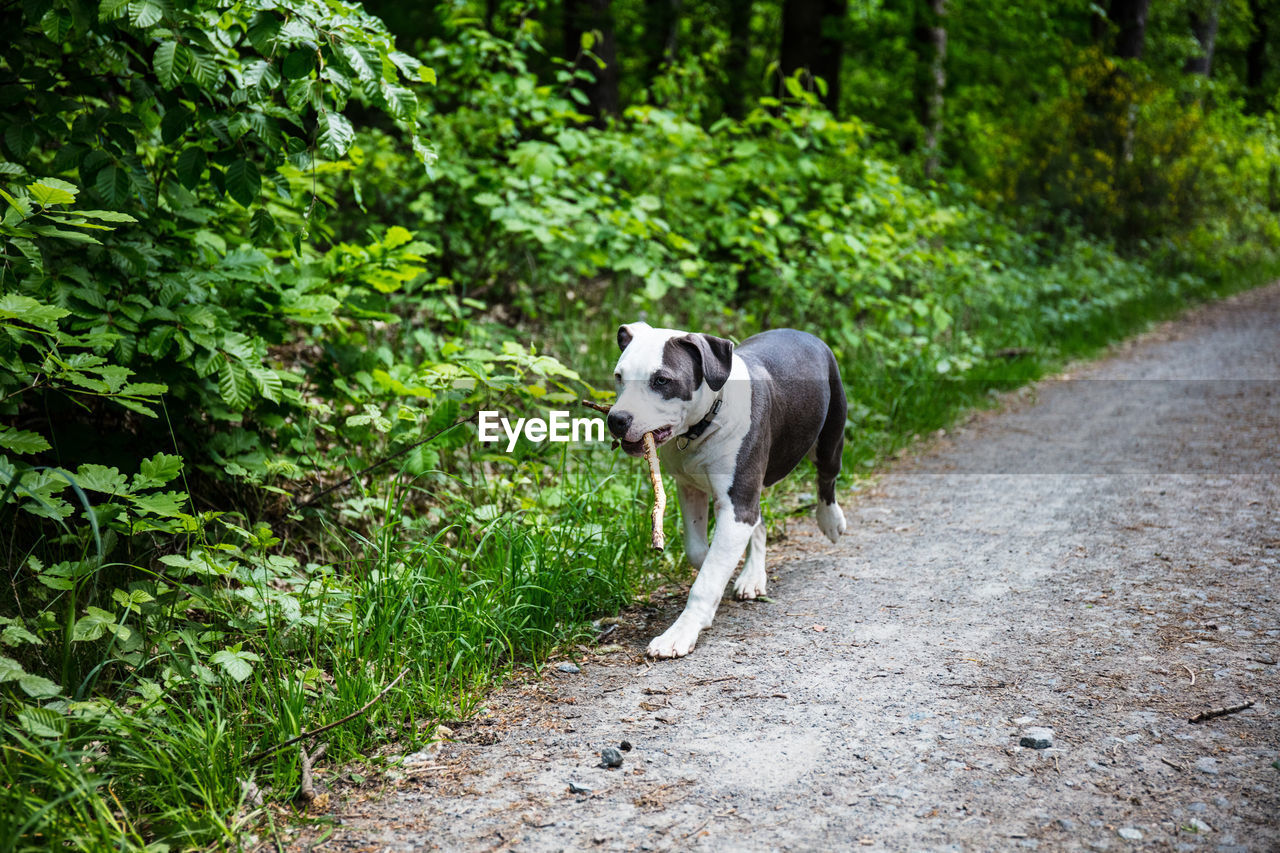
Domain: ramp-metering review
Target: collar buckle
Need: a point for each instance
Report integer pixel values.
(695, 432)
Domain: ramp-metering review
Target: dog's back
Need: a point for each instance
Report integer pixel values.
(807, 369)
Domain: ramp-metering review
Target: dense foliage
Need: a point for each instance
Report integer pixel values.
(252, 249)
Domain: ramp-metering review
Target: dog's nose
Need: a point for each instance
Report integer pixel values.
(619, 423)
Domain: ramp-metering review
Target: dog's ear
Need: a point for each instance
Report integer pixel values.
(624, 337)
(714, 355)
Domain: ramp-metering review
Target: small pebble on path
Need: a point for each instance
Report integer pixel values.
(1037, 737)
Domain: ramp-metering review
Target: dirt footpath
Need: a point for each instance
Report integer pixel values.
(1101, 558)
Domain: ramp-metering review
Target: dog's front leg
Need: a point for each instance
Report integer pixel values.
(693, 512)
(727, 546)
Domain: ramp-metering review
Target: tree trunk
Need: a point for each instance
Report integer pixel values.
(1204, 24)
(661, 21)
(594, 16)
(937, 87)
(1256, 99)
(1130, 16)
(812, 40)
(732, 90)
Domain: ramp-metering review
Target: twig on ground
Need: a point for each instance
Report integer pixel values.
(348, 718)
(1190, 673)
(1175, 765)
(1220, 712)
(715, 680)
(308, 788)
(700, 827)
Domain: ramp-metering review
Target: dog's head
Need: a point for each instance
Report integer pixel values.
(666, 380)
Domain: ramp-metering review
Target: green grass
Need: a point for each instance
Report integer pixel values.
(458, 609)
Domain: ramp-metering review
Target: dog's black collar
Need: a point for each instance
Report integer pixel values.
(695, 432)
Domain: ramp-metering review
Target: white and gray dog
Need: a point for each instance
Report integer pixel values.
(729, 422)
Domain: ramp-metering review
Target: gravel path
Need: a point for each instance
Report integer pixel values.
(1099, 558)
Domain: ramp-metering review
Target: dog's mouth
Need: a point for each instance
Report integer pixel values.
(636, 448)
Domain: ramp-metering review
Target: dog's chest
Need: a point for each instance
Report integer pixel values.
(707, 465)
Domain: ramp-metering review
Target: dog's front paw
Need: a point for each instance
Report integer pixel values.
(676, 642)
(831, 520)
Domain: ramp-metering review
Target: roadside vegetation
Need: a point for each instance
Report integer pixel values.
(264, 263)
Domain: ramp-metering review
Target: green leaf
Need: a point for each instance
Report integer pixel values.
(205, 70)
(114, 184)
(298, 63)
(261, 226)
(42, 722)
(47, 191)
(269, 384)
(22, 441)
(100, 478)
(145, 13)
(30, 251)
(93, 625)
(38, 687)
(402, 103)
(191, 163)
(163, 504)
(22, 204)
(57, 24)
(16, 634)
(157, 471)
(336, 134)
(262, 32)
(235, 663)
(104, 215)
(359, 64)
(109, 10)
(243, 182)
(131, 600)
(175, 123)
(171, 63)
(299, 94)
(19, 138)
(262, 75)
(234, 386)
(14, 306)
(10, 669)
(63, 234)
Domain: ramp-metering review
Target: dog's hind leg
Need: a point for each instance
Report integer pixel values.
(752, 579)
(827, 453)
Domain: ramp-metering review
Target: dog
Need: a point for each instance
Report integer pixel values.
(728, 422)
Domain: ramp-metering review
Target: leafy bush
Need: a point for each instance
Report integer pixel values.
(1130, 156)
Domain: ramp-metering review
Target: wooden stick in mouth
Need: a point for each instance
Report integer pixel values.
(659, 496)
(659, 538)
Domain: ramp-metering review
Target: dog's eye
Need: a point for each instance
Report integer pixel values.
(660, 380)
